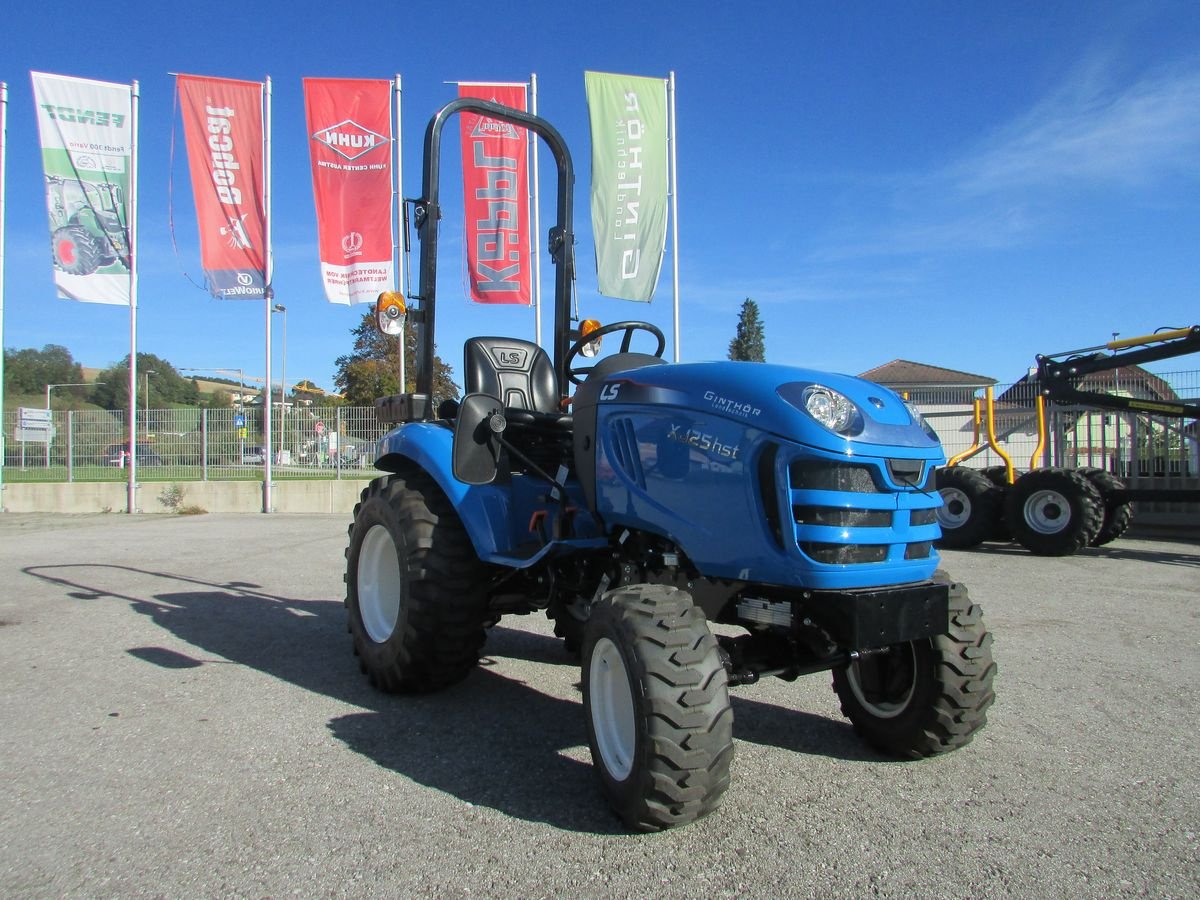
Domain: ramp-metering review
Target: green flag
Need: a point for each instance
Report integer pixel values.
(629, 181)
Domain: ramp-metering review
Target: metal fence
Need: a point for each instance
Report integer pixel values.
(193, 445)
(1146, 450)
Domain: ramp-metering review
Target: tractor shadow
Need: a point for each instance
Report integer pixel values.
(491, 741)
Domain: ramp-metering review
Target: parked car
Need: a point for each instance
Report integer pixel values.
(252, 455)
(116, 454)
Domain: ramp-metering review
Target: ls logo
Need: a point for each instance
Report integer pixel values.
(610, 391)
(511, 357)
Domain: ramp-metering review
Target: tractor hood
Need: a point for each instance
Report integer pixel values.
(772, 398)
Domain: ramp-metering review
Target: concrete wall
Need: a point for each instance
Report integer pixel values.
(213, 496)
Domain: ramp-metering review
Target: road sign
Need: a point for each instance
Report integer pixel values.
(33, 418)
(319, 427)
(239, 421)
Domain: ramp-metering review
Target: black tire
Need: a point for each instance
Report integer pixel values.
(76, 251)
(924, 697)
(1118, 515)
(414, 587)
(998, 475)
(1054, 512)
(970, 507)
(656, 697)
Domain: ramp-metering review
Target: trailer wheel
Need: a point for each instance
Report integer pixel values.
(414, 587)
(970, 507)
(1117, 515)
(998, 475)
(656, 695)
(924, 697)
(1054, 512)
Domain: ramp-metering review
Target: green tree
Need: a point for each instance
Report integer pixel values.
(28, 371)
(750, 343)
(372, 369)
(163, 387)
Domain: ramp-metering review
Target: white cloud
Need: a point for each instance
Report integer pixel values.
(1090, 132)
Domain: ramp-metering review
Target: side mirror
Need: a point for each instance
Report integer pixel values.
(477, 431)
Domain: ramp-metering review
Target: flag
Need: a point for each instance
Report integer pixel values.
(350, 145)
(629, 181)
(223, 128)
(495, 158)
(86, 130)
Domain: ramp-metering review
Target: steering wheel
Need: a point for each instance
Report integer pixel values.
(577, 375)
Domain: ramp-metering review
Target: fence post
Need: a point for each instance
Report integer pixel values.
(70, 446)
(204, 445)
(337, 422)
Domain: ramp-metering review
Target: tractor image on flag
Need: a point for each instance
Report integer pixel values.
(87, 233)
(792, 511)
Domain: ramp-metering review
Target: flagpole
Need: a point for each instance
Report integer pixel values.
(674, 210)
(268, 292)
(3, 167)
(131, 486)
(535, 220)
(398, 244)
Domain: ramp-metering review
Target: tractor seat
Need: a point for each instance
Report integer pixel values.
(520, 375)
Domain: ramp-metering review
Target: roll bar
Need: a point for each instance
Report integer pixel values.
(427, 213)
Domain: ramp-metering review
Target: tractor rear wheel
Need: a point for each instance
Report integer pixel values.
(923, 697)
(656, 695)
(76, 250)
(414, 587)
(1054, 512)
(1117, 515)
(970, 507)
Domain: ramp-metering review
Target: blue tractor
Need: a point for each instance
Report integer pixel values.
(795, 508)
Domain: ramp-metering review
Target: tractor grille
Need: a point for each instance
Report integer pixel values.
(923, 516)
(816, 475)
(626, 452)
(844, 518)
(844, 553)
(859, 513)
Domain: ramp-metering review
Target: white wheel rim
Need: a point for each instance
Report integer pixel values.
(611, 709)
(886, 709)
(1047, 512)
(955, 509)
(378, 583)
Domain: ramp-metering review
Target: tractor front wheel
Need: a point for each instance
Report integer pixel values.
(656, 695)
(923, 697)
(414, 594)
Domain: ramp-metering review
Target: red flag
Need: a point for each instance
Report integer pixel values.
(350, 125)
(496, 193)
(223, 126)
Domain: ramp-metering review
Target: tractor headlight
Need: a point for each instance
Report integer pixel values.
(921, 420)
(831, 408)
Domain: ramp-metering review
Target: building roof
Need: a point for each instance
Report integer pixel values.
(907, 372)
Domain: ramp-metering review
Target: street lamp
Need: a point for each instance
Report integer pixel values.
(280, 308)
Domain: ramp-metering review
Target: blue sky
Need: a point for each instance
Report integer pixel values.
(961, 184)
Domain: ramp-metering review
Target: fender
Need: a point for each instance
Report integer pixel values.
(487, 511)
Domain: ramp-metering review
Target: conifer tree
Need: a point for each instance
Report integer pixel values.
(749, 344)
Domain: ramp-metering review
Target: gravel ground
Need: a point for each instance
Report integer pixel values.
(181, 715)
